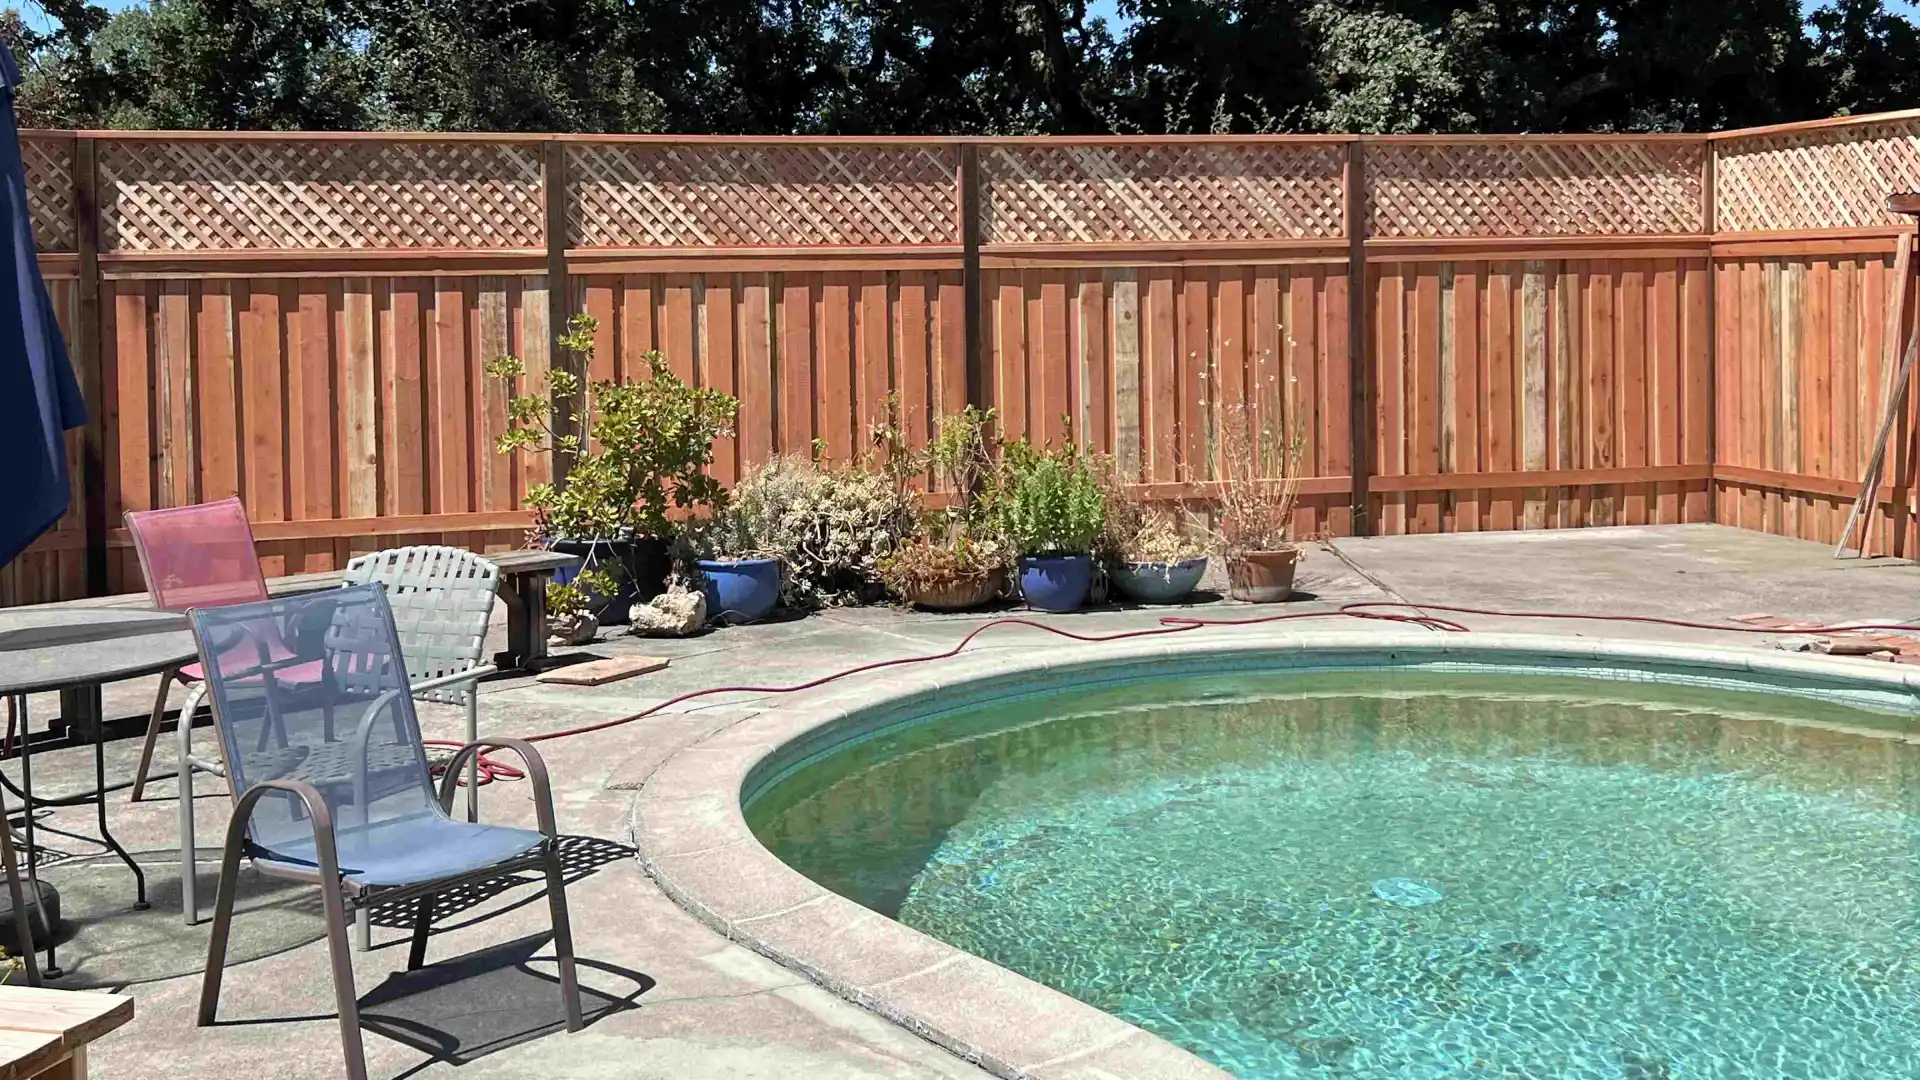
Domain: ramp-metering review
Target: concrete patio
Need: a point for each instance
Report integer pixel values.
(672, 998)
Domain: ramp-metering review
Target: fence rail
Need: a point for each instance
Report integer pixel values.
(1480, 332)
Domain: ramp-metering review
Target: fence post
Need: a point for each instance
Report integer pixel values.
(559, 290)
(1361, 419)
(967, 185)
(1708, 213)
(86, 353)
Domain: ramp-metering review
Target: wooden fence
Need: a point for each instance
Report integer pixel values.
(1478, 332)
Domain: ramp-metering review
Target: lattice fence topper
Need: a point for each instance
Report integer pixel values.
(49, 167)
(1534, 189)
(1833, 178)
(215, 195)
(628, 195)
(1160, 193)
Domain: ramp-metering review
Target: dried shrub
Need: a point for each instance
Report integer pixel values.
(830, 527)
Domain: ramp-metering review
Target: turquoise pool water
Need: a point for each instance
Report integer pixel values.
(1428, 877)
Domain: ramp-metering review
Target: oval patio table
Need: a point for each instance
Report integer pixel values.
(75, 651)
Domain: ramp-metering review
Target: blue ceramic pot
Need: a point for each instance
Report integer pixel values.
(1159, 582)
(740, 590)
(1056, 582)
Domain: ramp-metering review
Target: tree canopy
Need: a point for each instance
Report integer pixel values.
(962, 66)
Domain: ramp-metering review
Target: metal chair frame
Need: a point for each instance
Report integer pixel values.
(341, 895)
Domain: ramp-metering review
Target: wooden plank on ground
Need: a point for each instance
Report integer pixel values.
(606, 670)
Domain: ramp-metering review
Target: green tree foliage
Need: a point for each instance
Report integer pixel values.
(964, 66)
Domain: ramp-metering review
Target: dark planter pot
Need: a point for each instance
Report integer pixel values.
(1159, 582)
(1056, 582)
(740, 590)
(1262, 577)
(639, 567)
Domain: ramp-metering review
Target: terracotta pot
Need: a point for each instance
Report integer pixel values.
(1262, 577)
(959, 594)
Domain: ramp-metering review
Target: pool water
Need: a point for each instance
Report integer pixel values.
(1427, 877)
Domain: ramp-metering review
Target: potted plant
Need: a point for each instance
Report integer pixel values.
(737, 568)
(1050, 508)
(1253, 506)
(1147, 556)
(957, 560)
(568, 620)
(646, 447)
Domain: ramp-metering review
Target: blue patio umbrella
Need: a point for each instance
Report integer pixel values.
(39, 398)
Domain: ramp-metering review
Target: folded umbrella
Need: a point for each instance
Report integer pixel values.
(39, 398)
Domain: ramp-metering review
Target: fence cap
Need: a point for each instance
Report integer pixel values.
(1904, 202)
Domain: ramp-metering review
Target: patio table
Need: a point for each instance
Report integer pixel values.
(44, 1033)
(74, 651)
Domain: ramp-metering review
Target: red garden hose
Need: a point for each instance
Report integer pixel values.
(1382, 610)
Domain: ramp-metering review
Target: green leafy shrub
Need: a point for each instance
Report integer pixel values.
(1048, 502)
(647, 448)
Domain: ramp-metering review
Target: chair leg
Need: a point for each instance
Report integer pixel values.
(222, 920)
(473, 763)
(153, 734)
(22, 928)
(189, 865)
(343, 992)
(422, 924)
(362, 930)
(563, 939)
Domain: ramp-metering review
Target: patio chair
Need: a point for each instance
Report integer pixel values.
(191, 556)
(356, 815)
(441, 599)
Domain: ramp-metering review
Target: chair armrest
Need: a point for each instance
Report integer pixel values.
(361, 732)
(536, 775)
(472, 673)
(324, 852)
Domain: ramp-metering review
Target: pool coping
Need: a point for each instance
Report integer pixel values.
(690, 829)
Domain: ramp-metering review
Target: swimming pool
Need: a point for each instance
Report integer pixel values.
(1373, 868)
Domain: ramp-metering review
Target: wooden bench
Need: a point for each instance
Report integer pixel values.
(524, 575)
(44, 1033)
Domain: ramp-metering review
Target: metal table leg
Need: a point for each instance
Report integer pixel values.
(100, 805)
(52, 969)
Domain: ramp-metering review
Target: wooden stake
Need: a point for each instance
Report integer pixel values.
(1893, 393)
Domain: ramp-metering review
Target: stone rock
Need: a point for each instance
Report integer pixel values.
(671, 614)
(572, 629)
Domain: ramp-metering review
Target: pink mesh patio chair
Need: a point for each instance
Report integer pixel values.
(191, 556)
(197, 557)
(356, 814)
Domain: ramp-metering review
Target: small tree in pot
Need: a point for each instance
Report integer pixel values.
(647, 446)
(1253, 505)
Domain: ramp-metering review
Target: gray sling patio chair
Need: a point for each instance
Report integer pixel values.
(350, 804)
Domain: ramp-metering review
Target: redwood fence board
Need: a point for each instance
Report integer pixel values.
(1554, 331)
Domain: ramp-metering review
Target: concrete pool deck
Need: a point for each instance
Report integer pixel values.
(678, 998)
